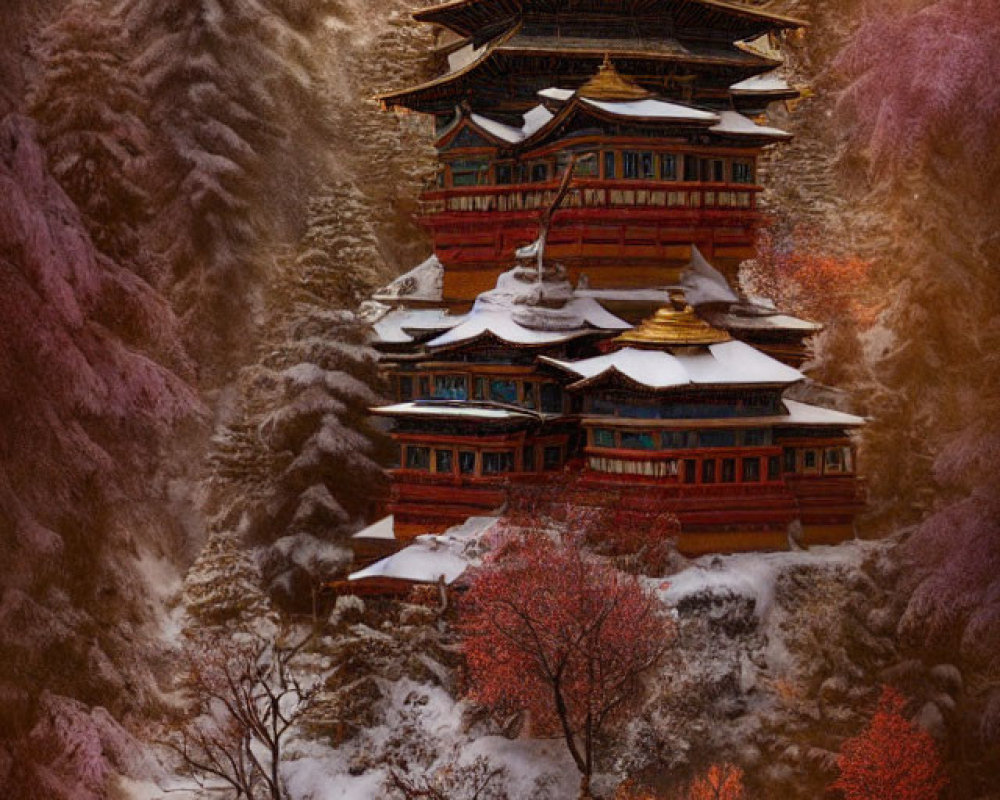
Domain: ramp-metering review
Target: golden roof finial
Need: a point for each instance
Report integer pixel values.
(608, 84)
(673, 325)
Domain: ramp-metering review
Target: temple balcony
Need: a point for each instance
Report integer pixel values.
(697, 202)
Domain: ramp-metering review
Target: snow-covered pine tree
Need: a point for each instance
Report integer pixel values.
(395, 149)
(298, 471)
(338, 259)
(91, 108)
(223, 585)
(231, 83)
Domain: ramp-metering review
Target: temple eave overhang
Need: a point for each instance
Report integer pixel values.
(443, 92)
(466, 17)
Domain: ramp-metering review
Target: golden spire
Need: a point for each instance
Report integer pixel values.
(608, 84)
(672, 325)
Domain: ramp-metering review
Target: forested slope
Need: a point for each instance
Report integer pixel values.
(196, 196)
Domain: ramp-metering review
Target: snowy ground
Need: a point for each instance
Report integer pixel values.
(423, 729)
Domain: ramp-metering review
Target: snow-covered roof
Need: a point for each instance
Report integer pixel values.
(452, 409)
(555, 93)
(503, 327)
(768, 83)
(392, 328)
(703, 283)
(659, 295)
(506, 133)
(423, 562)
(464, 56)
(535, 119)
(651, 108)
(383, 529)
(768, 322)
(732, 363)
(424, 282)
(804, 414)
(471, 529)
(733, 123)
(431, 558)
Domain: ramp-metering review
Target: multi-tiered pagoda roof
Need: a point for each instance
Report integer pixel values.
(507, 51)
(596, 193)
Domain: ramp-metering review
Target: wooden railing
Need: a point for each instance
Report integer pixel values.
(728, 197)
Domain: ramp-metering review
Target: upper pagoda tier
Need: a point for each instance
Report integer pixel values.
(692, 49)
(472, 17)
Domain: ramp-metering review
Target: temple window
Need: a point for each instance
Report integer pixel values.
(668, 167)
(690, 471)
(729, 470)
(603, 437)
(630, 164)
(647, 169)
(539, 172)
(551, 457)
(562, 162)
(522, 173)
(405, 387)
(466, 462)
(479, 389)
(690, 168)
(609, 165)
(708, 471)
(451, 387)
(418, 458)
(717, 438)
(424, 383)
(789, 456)
(443, 461)
(676, 440)
(638, 440)
(495, 463)
(528, 394)
(504, 173)
(751, 470)
(503, 390)
(773, 468)
(551, 397)
(742, 172)
(757, 437)
(587, 168)
(472, 172)
(810, 462)
(528, 458)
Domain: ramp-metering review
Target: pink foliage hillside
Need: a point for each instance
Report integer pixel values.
(922, 85)
(92, 387)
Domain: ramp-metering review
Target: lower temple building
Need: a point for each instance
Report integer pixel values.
(539, 378)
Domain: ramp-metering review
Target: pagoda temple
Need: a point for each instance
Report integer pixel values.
(597, 190)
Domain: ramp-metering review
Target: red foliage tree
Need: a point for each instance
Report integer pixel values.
(800, 277)
(550, 630)
(719, 782)
(892, 757)
(635, 529)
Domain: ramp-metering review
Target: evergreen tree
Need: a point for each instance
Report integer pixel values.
(231, 87)
(91, 108)
(298, 471)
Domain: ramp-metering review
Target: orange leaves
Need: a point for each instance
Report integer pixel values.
(719, 782)
(802, 278)
(892, 757)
